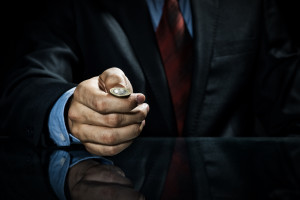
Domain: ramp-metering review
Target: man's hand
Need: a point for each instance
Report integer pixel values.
(105, 124)
(90, 179)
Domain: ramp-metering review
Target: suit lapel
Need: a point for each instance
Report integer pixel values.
(205, 15)
(135, 19)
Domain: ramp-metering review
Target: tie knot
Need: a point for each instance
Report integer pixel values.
(171, 4)
(171, 1)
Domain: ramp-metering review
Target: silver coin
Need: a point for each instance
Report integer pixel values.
(119, 92)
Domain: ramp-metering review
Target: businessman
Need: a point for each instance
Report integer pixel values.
(203, 68)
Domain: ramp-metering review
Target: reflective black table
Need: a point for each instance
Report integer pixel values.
(156, 168)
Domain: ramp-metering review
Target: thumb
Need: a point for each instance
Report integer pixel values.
(113, 77)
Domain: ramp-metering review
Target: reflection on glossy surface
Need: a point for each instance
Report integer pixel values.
(248, 168)
(90, 179)
(220, 168)
(23, 172)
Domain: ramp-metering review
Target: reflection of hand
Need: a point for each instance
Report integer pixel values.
(90, 179)
(105, 124)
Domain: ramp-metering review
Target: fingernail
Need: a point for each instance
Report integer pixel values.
(140, 99)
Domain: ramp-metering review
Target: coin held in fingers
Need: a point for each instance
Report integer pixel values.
(119, 92)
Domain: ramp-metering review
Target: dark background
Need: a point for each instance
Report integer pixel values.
(14, 13)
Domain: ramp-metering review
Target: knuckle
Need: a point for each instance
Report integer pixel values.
(101, 105)
(73, 115)
(132, 102)
(80, 87)
(75, 130)
(114, 120)
(109, 138)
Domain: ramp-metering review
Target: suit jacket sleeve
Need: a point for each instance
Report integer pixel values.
(45, 68)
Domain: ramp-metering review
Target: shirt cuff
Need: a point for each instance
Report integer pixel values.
(61, 161)
(56, 124)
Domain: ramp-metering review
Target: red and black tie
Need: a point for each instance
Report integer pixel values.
(175, 45)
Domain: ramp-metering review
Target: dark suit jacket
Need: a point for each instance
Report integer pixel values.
(244, 67)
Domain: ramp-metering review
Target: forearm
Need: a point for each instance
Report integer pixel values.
(25, 109)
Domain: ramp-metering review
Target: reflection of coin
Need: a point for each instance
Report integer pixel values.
(119, 92)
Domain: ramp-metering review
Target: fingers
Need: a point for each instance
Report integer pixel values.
(105, 141)
(89, 94)
(89, 116)
(103, 150)
(106, 174)
(104, 135)
(106, 191)
(90, 179)
(92, 170)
